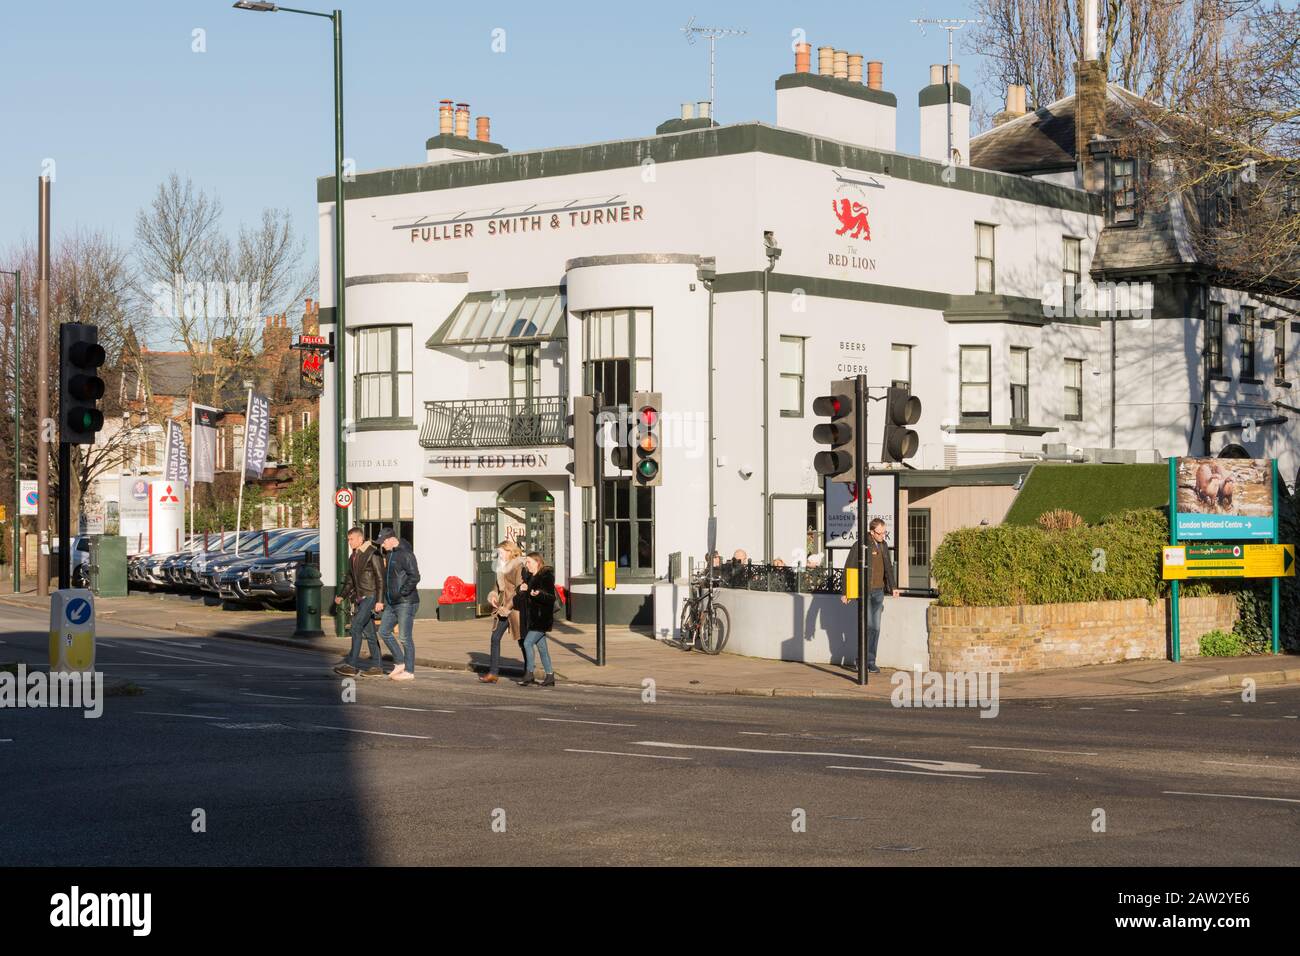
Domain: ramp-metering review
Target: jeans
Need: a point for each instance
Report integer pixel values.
(536, 639)
(402, 616)
(363, 626)
(498, 631)
(875, 608)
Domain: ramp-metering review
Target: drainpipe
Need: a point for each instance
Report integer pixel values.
(773, 253)
(1113, 319)
(1206, 416)
(706, 275)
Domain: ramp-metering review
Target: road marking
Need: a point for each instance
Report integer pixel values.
(919, 773)
(377, 733)
(921, 762)
(1032, 750)
(192, 660)
(159, 640)
(422, 710)
(6, 740)
(276, 696)
(619, 753)
(1290, 716)
(163, 713)
(1087, 708)
(1262, 766)
(600, 723)
(1229, 796)
(1130, 710)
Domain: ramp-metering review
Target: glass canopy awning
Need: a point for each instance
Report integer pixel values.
(504, 316)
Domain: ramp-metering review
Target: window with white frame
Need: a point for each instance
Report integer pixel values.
(1249, 328)
(1071, 267)
(1214, 339)
(383, 372)
(985, 278)
(1121, 203)
(791, 376)
(975, 383)
(1074, 390)
(1279, 351)
(1019, 386)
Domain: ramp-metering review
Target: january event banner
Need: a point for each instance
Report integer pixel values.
(1224, 499)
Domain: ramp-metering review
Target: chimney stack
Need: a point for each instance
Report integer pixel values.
(1089, 102)
(1015, 105)
(935, 141)
(833, 102)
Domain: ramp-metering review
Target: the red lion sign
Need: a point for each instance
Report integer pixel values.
(852, 216)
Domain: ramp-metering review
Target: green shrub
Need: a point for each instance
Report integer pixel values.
(1222, 644)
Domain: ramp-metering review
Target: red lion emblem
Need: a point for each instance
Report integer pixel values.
(852, 216)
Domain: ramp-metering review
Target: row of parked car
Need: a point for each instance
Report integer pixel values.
(261, 569)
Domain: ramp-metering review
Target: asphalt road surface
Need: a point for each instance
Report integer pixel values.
(444, 770)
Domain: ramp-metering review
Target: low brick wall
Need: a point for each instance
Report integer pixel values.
(1045, 636)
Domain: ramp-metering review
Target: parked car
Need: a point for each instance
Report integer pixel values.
(227, 578)
(273, 581)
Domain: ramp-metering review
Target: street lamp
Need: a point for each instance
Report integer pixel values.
(18, 406)
(340, 326)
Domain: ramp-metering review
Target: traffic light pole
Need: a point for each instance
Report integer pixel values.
(864, 552)
(65, 515)
(599, 531)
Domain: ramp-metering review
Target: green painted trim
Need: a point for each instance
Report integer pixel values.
(1005, 429)
(1012, 309)
(976, 476)
(937, 95)
(830, 84)
(620, 609)
(327, 315)
(831, 289)
(385, 425)
(464, 144)
(684, 125)
(704, 144)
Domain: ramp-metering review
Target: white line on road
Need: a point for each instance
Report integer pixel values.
(163, 713)
(276, 696)
(377, 733)
(921, 762)
(1229, 796)
(919, 773)
(192, 660)
(422, 710)
(619, 753)
(1262, 766)
(600, 723)
(1033, 750)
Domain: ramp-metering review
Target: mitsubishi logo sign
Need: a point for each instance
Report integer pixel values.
(169, 495)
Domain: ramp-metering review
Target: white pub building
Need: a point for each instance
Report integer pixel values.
(487, 288)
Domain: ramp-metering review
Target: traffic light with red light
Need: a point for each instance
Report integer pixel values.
(840, 433)
(80, 387)
(647, 439)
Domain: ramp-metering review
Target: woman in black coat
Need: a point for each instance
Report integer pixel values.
(540, 617)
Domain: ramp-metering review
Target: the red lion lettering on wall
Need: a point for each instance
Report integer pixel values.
(852, 216)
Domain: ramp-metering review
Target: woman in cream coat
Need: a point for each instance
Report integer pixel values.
(508, 565)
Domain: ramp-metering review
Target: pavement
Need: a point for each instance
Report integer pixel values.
(234, 752)
(634, 656)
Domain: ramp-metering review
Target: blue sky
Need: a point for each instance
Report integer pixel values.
(113, 92)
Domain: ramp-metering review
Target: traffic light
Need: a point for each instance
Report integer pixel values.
(583, 442)
(647, 463)
(840, 463)
(901, 410)
(80, 387)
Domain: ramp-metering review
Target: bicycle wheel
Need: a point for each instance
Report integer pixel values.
(714, 625)
(721, 627)
(690, 625)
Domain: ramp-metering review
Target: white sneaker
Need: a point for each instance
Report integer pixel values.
(404, 675)
(398, 669)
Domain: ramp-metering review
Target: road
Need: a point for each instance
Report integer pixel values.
(444, 770)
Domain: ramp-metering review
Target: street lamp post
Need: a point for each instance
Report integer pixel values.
(340, 327)
(18, 412)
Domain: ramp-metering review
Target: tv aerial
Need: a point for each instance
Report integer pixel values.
(713, 34)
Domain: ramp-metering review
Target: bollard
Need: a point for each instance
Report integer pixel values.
(307, 601)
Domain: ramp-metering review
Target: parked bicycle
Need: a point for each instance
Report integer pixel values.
(705, 623)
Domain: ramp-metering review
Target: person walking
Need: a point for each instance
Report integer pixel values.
(509, 565)
(400, 602)
(883, 579)
(540, 617)
(363, 585)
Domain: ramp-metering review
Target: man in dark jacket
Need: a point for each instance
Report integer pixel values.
(400, 602)
(883, 579)
(362, 584)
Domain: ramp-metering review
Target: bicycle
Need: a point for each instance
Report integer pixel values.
(705, 624)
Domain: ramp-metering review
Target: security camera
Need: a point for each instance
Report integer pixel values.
(746, 472)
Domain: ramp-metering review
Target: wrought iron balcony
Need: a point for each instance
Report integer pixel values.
(495, 423)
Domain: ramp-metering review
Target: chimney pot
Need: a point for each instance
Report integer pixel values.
(826, 60)
(802, 57)
(484, 127)
(876, 75)
(688, 111)
(956, 72)
(704, 108)
(462, 120)
(445, 119)
(841, 65)
(855, 67)
(936, 74)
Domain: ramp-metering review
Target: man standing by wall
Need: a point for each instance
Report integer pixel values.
(882, 579)
(363, 584)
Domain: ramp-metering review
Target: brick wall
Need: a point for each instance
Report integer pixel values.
(1044, 636)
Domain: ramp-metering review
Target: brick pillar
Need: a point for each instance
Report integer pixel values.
(1089, 118)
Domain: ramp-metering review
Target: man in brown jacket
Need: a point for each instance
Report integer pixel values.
(363, 585)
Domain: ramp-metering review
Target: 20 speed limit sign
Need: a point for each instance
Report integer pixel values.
(343, 498)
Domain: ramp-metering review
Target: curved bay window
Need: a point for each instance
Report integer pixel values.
(617, 346)
(382, 357)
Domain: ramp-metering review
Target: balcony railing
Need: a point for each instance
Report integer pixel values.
(495, 423)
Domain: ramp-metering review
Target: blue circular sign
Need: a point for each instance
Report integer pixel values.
(32, 497)
(78, 611)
